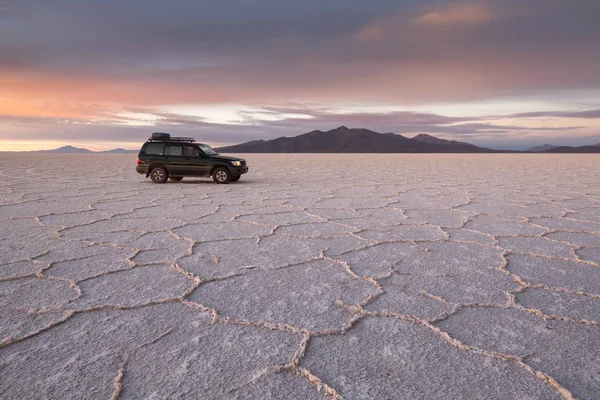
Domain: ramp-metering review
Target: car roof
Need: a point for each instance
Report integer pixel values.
(175, 142)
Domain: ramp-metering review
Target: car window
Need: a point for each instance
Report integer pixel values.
(174, 150)
(155, 148)
(209, 151)
(191, 151)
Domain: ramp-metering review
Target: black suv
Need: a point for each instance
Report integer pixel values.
(164, 157)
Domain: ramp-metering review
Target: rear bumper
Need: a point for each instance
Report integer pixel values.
(142, 169)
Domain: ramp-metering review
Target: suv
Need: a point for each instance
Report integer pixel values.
(164, 157)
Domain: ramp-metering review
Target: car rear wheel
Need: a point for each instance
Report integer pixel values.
(221, 175)
(235, 178)
(159, 175)
(176, 178)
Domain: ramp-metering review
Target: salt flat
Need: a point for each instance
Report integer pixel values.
(315, 276)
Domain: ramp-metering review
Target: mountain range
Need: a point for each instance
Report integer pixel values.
(539, 149)
(549, 148)
(346, 140)
(581, 149)
(80, 150)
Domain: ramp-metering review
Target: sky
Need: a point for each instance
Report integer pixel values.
(504, 74)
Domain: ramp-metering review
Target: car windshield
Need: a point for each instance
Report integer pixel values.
(209, 151)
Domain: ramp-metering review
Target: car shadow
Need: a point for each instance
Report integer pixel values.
(200, 182)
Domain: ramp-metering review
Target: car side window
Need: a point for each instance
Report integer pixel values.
(155, 148)
(174, 151)
(191, 151)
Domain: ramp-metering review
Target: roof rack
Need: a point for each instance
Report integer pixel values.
(172, 139)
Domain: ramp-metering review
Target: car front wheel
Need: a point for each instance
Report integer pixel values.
(222, 175)
(159, 175)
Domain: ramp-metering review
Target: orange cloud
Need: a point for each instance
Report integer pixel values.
(468, 14)
(371, 34)
(401, 27)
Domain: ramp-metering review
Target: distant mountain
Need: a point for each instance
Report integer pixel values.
(67, 149)
(80, 150)
(425, 138)
(119, 151)
(543, 147)
(346, 140)
(569, 149)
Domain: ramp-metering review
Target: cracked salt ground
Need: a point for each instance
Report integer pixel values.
(405, 232)
(592, 255)
(558, 303)
(537, 246)
(465, 235)
(379, 277)
(503, 226)
(561, 274)
(552, 347)
(392, 358)
(210, 260)
(282, 295)
(580, 239)
(441, 218)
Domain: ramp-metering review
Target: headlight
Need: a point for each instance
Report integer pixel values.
(236, 163)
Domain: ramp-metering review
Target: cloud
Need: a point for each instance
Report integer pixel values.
(333, 116)
(462, 14)
(371, 34)
(220, 52)
(587, 114)
(123, 127)
(482, 129)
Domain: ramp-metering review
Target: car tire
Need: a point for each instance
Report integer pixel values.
(176, 178)
(222, 175)
(159, 175)
(235, 178)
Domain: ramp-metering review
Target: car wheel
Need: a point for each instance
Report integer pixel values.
(235, 178)
(159, 175)
(221, 175)
(176, 178)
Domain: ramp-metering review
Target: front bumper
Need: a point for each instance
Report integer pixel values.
(239, 170)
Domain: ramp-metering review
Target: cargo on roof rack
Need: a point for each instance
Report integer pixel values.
(160, 135)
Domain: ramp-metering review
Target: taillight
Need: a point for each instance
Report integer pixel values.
(139, 161)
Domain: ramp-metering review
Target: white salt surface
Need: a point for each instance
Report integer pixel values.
(315, 276)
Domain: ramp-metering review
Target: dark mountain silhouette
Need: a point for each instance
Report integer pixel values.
(569, 149)
(80, 150)
(425, 138)
(119, 151)
(345, 140)
(543, 147)
(67, 149)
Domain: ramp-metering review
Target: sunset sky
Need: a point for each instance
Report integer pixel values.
(103, 74)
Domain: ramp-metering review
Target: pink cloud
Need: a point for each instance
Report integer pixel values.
(465, 14)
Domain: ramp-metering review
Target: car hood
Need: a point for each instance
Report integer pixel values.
(220, 157)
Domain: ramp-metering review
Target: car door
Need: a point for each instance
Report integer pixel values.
(176, 163)
(197, 163)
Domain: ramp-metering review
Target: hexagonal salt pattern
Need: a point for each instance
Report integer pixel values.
(314, 276)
